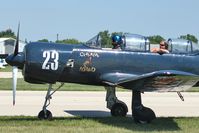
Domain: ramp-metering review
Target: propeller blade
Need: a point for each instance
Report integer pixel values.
(17, 42)
(14, 82)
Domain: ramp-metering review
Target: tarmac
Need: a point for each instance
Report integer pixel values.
(9, 75)
(93, 104)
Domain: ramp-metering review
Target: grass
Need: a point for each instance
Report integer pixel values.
(18, 124)
(6, 69)
(194, 89)
(6, 84)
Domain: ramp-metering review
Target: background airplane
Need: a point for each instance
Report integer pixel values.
(133, 67)
(2, 60)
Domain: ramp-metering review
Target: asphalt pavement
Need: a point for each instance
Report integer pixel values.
(9, 75)
(93, 104)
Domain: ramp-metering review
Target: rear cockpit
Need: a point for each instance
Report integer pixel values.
(182, 46)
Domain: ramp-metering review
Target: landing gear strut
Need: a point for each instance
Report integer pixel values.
(117, 107)
(46, 114)
(140, 113)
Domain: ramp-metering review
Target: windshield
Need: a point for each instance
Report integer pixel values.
(94, 42)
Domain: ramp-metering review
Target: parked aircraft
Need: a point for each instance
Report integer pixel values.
(2, 60)
(132, 67)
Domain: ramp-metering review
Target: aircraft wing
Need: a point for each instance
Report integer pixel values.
(163, 81)
(3, 56)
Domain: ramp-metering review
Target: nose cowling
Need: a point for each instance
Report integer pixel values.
(16, 60)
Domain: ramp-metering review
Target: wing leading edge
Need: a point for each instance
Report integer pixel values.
(162, 81)
(3, 56)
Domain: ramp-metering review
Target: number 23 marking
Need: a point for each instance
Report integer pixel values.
(48, 64)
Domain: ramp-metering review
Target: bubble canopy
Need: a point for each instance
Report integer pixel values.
(182, 46)
(139, 43)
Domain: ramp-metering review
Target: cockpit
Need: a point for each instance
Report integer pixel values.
(134, 42)
(182, 46)
(139, 43)
(130, 42)
(95, 42)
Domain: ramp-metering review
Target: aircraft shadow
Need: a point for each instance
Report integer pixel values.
(88, 113)
(160, 124)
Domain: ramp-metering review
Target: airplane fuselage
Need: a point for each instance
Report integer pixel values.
(52, 63)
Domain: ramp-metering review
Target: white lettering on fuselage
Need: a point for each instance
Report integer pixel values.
(89, 54)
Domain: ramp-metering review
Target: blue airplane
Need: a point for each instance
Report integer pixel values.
(132, 67)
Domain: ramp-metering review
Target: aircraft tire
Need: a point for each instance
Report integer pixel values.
(119, 110)
(42, 115)
(145, 115)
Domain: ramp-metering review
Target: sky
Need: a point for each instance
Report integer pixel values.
(83, 19)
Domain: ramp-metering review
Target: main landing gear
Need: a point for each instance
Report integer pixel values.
(140, 113)
(46, 114)
(117, 107)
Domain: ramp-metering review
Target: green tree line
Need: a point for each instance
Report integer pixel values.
(105, 38)
(7, 33)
